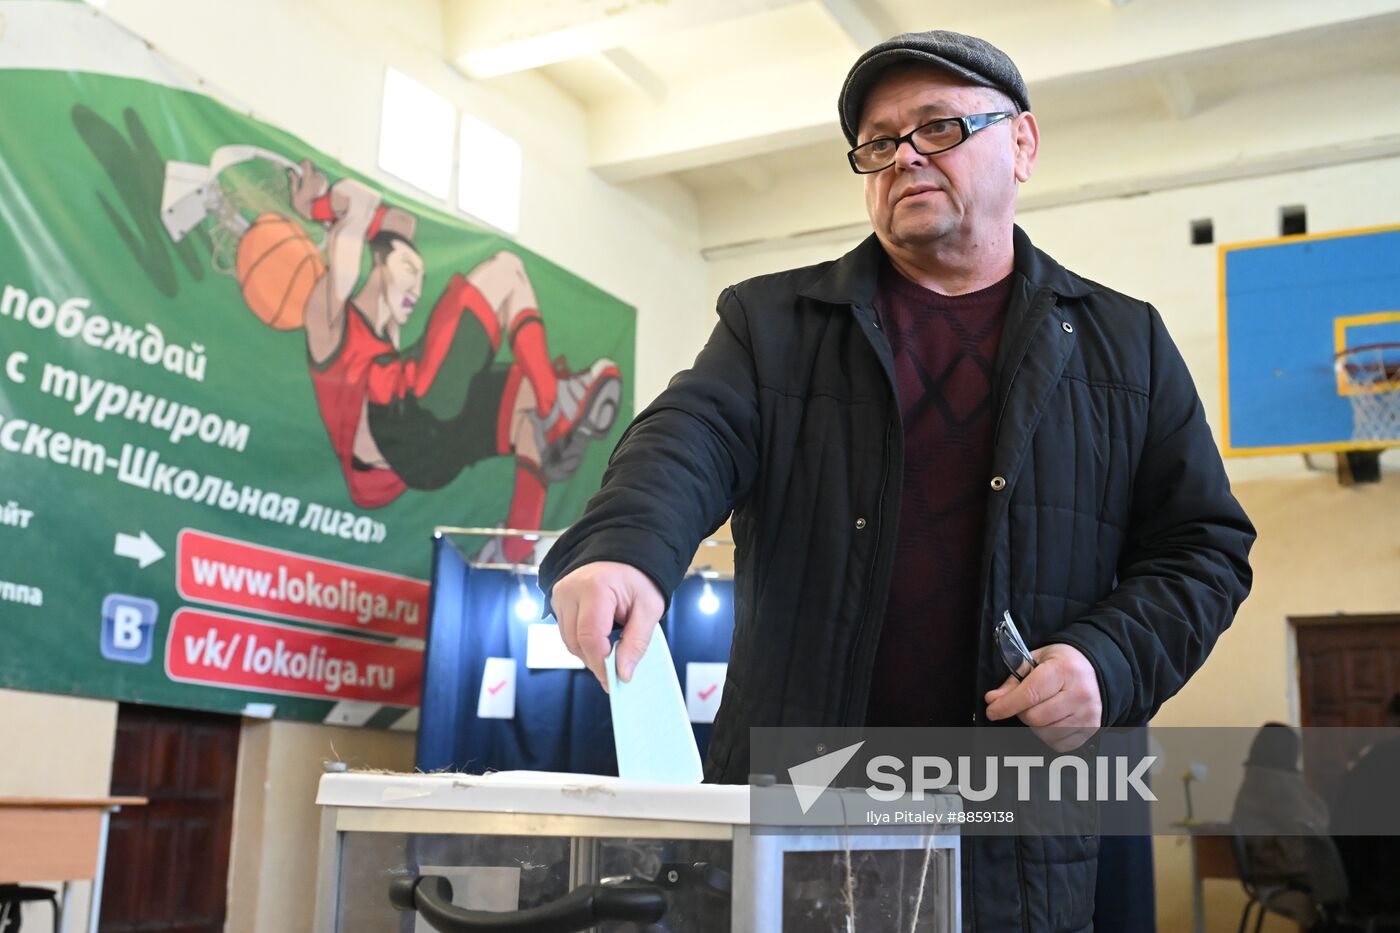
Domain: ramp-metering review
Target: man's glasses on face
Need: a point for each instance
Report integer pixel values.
(930, 139)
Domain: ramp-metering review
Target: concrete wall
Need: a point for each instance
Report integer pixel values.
(272, 873)
(56, 747)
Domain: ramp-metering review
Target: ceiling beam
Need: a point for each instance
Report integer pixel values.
(487, 40)
(725, 115)
(753, 174)
(633, 69)
(863, 20)
(771, 105)
(1176, 92)
(1103, 156)
(1383, 147)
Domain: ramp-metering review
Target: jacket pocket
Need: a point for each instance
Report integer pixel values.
(1059, 874)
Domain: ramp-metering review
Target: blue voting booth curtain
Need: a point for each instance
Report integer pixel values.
(696, 636)
(561, 721)
(1124, 899)
(1125, 896)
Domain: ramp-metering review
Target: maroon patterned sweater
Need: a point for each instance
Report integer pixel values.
(944, 364)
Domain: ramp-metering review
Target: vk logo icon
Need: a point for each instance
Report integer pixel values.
(128, 627)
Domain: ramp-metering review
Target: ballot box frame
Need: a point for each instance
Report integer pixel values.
(757, 854)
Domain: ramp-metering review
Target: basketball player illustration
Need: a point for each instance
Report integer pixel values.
(414, 417)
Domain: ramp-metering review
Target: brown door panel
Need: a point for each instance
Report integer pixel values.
(167, 862)
(1348, 669)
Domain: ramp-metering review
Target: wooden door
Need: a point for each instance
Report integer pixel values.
(167, 863)
(1348, 671)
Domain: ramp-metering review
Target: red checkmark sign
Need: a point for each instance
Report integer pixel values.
(495, 689)
(708, 691)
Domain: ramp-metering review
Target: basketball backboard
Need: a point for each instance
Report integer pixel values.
(1288, 306)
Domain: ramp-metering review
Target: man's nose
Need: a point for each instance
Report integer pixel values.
(907, 156)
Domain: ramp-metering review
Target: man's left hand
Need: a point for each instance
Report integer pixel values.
(1059, 700)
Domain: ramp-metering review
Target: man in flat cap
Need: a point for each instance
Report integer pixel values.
(939, 427)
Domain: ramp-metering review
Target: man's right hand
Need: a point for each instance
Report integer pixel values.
(587, 603)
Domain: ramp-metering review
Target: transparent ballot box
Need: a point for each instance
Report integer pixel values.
(551, 853)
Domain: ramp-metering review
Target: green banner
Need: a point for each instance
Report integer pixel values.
(240, 384)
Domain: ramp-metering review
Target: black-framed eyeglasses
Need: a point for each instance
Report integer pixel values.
(930, 139)
(1013, 648)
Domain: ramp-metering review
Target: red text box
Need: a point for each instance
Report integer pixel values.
(265, 657)
(241, 575)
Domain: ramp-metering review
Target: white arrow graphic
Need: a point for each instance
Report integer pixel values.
(143, 549)
(811, 778)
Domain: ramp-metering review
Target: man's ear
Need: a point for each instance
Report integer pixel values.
(1027, 140)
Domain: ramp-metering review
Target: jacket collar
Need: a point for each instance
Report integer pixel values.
(853, 278)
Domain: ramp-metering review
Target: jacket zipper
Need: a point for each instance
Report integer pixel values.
(996, 433)
(863, 639)
(858, 655)
(1035, 302)
(1021, 875)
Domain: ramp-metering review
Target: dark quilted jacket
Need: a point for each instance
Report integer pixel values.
(1110, 523)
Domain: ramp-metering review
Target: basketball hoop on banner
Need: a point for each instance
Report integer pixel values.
(1369, 376)
(254, 233)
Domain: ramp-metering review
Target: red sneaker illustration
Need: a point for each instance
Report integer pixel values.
(585, 409)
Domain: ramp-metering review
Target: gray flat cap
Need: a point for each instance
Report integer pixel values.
(976, 60)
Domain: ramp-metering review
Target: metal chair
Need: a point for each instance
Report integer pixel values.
(13, 896)
(1306, 893)
(1319, 897)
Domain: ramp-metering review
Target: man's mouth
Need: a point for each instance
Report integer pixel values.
(917, 190)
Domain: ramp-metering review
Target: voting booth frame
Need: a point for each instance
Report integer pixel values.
(500, 692)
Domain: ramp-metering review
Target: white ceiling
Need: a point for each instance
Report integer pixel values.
(711, 92)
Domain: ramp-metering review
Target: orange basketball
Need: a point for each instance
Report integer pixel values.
(277, 267)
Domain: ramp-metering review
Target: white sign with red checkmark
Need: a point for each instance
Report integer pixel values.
(704, 682)
(497, 690)
(544, 649)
